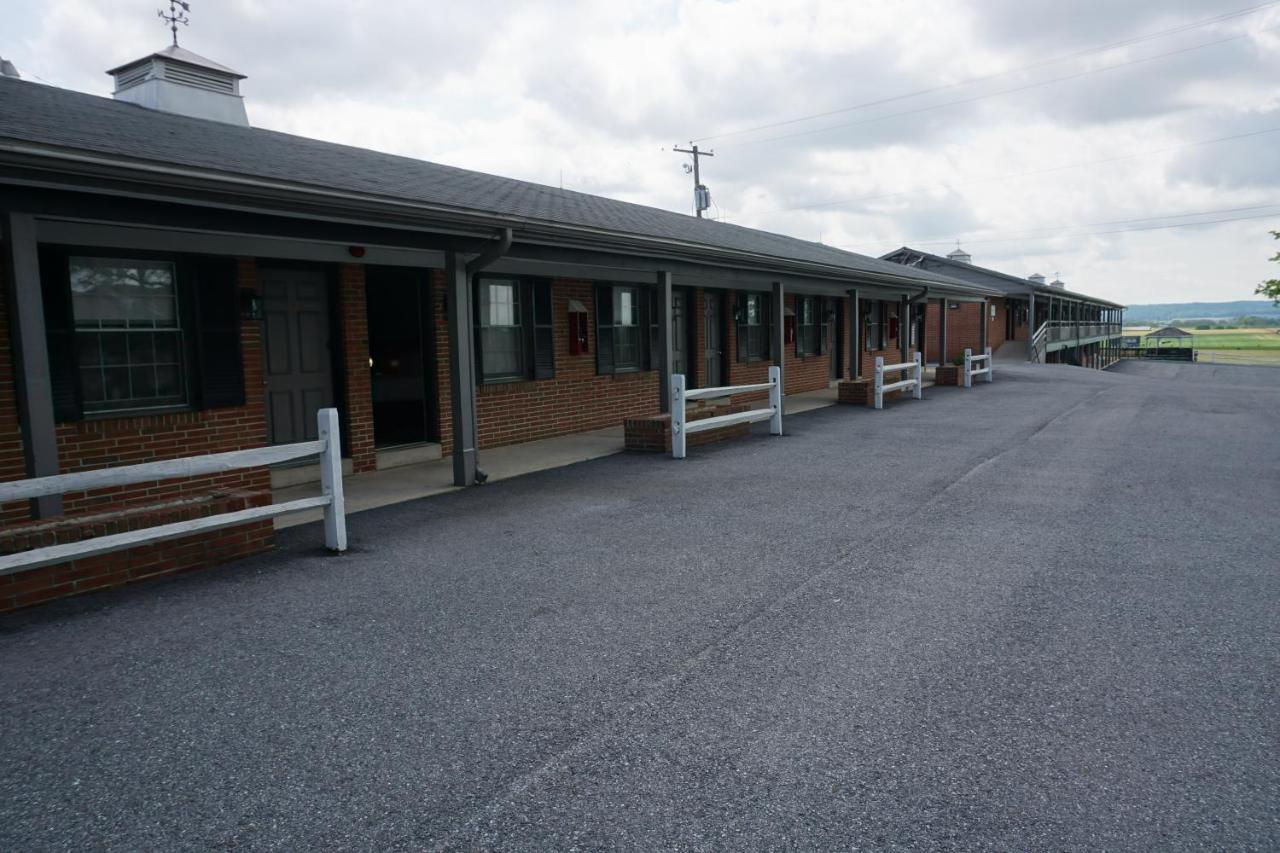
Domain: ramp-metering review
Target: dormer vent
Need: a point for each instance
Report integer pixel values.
(175, 80)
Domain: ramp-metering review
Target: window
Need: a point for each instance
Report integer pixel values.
(753, 327)
(128, 337)
(874, 326)
(806, 325)
(626, 328)
(514, 339)
(502, 346)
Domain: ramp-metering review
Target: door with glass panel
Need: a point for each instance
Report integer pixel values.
(399, 311)
(296, 344)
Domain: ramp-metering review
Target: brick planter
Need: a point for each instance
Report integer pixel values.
(948, 374)
(652, 433)
(861, 392)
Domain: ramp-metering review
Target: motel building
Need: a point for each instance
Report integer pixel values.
(1068, 328)
(179, 283)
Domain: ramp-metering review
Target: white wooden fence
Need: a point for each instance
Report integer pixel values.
(681, 426)
(327, 447)
(970, 360)
(914, 380)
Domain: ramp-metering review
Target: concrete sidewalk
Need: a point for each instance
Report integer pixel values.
(1039, 614)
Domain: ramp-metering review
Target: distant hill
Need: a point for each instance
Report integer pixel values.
(1171, 312)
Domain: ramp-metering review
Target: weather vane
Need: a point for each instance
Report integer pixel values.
(175, 16)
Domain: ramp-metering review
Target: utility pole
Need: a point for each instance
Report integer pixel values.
(701, 196)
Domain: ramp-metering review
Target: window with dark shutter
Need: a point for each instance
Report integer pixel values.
(806, 325)
(754, 342)
(218, 355)
(604, 329)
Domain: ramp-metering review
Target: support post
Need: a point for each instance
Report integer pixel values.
(991, 365)
(982, 327)
(879, 382)
(665, 322)
(677, 416)
(335, 518)
(942, 330)
(968, 367)
(775, 400)
(919, 376)
(778, 331)
(30, 354)
(462, 375)
(1031, 326)
(904, 328)
(855, 337)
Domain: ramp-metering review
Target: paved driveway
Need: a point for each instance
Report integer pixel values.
(1038, 614)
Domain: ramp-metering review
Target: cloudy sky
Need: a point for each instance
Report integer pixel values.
(1046, 136)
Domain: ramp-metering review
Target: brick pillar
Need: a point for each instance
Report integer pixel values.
(355, 361)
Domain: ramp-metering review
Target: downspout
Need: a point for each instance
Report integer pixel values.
(493, 250)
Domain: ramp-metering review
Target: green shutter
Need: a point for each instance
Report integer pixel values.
(60, 336)
(544, 355)
(219, 367)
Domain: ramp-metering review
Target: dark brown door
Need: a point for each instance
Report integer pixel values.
(296, 344)
(713, 336)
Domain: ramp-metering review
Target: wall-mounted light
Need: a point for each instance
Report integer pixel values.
(250, 305)
(953, 305)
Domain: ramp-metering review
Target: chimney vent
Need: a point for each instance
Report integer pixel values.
(960, 255)
(1035, 278)
(175, 80)
(8, 69)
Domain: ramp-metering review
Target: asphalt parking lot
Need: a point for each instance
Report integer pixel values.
(1037, 614)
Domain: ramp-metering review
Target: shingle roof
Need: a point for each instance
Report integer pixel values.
(998, 278)
(46, 115)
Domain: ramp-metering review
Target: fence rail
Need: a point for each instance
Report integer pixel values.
(914, 381)
(682, 427)
(969, 372)
(327, 447)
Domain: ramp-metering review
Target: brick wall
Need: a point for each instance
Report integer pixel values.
(575, 400)
(353, 311)
(108, 442)
(964, 329)
(996, 325)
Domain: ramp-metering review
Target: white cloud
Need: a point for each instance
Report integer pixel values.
(591, 93)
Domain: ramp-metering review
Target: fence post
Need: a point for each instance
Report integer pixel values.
(968, 368)
(919, 373)
(677, 416)
(879, 382)
(991, 364)
(775, 400)
(335, 519)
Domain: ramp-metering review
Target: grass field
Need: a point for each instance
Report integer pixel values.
(1232, 346)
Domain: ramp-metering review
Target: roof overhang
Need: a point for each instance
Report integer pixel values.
(30, 165)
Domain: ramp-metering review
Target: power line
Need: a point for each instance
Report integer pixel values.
(1015, 89)
(1027, 173)
(996, 75)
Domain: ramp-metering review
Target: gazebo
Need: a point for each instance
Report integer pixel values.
(1169, 336)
